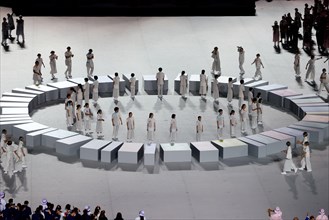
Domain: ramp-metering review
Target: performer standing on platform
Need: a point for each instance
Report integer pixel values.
(150, 128)
(297, 64)
(87, 118)
(323, 82)
(22, 154)
(183, 84)
(250, 97)
(310, 66)
(306, 155)
(132, 82)
(288, 163)
(203, 84)
(276, 34)
(99, 124)
(116, 122)
(95, 90)
(216, 63)
(220, 124)
(90, 63)
(241, 92)
(53, 69)
(243, 118)
(20, 29)
(40, 60)
(5, 32)
(69, 113)
(233, 123)
(36, 74)
(86, 91)
(230, 91)
(116, 86)
(254, 110)
(173, 129)
(80, 93)
(130, 122)
(260, 111)
(79, 118)
(215, 91)
(241, 59)
(68, 62)
(258, 63)
(160, 82)
(199, 129)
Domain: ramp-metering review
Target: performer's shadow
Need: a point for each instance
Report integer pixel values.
(309, 180)
(291, 181)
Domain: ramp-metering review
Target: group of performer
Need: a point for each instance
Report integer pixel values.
(12, 156)
(8, 26)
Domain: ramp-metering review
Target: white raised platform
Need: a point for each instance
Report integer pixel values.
(194, 84)
(49, 139)
(271, 144)
(255, 149)
(149, 154)
(92, 149)
(178, 152)
(51, 93)
(255, 84)
(277, 97)
(231, 148)
(8, 125)
(41, 95)
(23, 129)
(204, 151)
(71, 146)
(130, 153)
(236, 86)
(264, 90)
(110, 152)
(63, 87)
(283, 138)
(33, 139)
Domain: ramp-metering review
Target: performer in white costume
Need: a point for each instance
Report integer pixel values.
(130, 122)
(241, 92)
(288, 163)
(215, 90)
(258, 63)
(79, 118)
(233, 123)
(254, 110)
(53, 69)
(216, 70)
(183, 84)
(306, 155)
(22, 154)
(297, 64)
(230, 91)
(173, 128)
(69, 113)
(41, 63)
(11, 154)
(132, 82)
(80, 94)
(68, 62)
(150, 128)
(241, 59)
(199, 128)
(323, 82)
(87, 119)
(116, 122)
(99, 124)
(243, 118)
(36, 74)
(250, 97)
(310, 66)
(220, 124)
(86, 90)
(203, 84)
(90, 63)
(160, 82)
(116, 86)
(3, 144)
(95, 89)
(260, 111)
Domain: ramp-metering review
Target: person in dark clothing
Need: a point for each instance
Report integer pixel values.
(26, 211)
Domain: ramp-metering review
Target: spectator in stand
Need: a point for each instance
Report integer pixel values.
(141, 216)
(322, 215)
(102, 215)
(119, 216)
(26, 211)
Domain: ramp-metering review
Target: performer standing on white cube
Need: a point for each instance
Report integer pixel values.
(150, 128)
(116, 122)
(220, 124)
(183, 84)
(173, 128)
(95, 90)
(132, 82)
(203, 84)
(160, 82)
(90, 63)
(116, 86)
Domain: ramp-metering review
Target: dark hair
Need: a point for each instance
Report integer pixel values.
(9, 142)
(243, 105)
(250, 89)
(151, 114)
(20, 138)
(78, 106)
(39, 54)
(241, 81)
(69, 48)
(68, 206)
(99, 111)
(86, 104)
(116, 109)
(288, 143)
(26, 202)
(80, 86)
(173, 116)
(132, 74)
(160, 69)
(232, 112)
(259, 94)
(305, 133)
(116, 74)
(230, 79)
(95, 77)
(119, 216)
(86, 79)
(199, 116)
(73, 89)
(260, 100)
(203, 71)
(183, 72)
(312, 56)
(254, 100)
(307, 143)
(4, 131)
(220, 110)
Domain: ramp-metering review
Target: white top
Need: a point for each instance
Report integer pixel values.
(289, 154)
(116, 118)
(241, 91)
(78, 113)
(116, 82)
(130, 123)
(241, 56)
(90, 56)
(132, 81)
(306, 150)
(150, 123)
(258, 62)
(233, 120)
(215, 56)
(199, 126)
(52, 58)
(183, 80)
(95, 86)
(243, 115)
(68, 55)
(86, 88)
(87, 113)
(260, 108)
(2, 142)
(254, 109)
(40, 60)
(311, 63)
(250, 97)
(203, 80)
(160, 78)
(173, 125)
(79, 96)
(73, 96)
(220, 121)
(100, 117)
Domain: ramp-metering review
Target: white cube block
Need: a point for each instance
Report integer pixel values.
(177, 152)
(149, 154)
(71, 146)
(92, 149)
(110, 152)
(130, 153)
(49, 139)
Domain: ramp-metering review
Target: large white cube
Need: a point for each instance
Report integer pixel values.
(204, 151)
(110, 152)
(92, 149)
(231, 148)
(149, 154)
(130, 153)
(33, 139)
(71, 146)
(49, 139)
(177, 152)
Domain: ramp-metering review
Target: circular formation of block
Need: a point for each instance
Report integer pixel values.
(16, 106)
